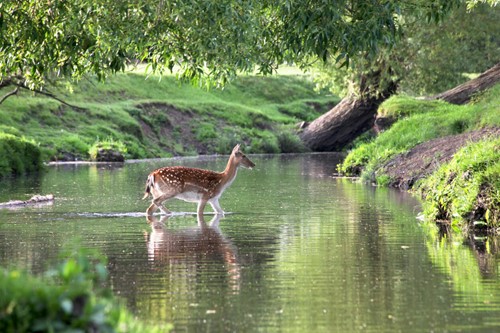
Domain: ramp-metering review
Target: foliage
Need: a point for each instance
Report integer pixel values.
(19, 155)
(289, 142)
(43, 39)
(437, 57)
(68, 298)
(466, 188)
(426, 59)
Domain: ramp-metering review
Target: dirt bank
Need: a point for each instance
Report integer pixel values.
(405, 169)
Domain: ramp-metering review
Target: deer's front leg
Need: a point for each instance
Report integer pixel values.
(216, 207)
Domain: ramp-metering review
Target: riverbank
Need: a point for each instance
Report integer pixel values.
(446, 154)
(150, 117)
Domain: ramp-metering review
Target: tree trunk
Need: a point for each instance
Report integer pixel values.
(463, 93)
(339, 126)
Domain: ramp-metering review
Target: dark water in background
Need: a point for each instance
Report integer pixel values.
(300, 251)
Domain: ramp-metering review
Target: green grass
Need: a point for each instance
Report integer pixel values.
(467, 188)
(160, 116)
(420, 121)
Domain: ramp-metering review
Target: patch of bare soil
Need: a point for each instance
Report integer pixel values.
(405, 169)
(171, 127)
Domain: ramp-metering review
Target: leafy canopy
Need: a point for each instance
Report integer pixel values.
(213, 39)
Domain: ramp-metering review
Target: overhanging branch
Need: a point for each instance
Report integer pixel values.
(37, 91)
(14, 92)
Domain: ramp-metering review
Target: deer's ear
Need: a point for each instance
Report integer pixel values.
(236, 148)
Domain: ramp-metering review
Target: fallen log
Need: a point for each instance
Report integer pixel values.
(33, 200)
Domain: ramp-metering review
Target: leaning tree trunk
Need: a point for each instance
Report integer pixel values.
(335, 129)
(463, 93)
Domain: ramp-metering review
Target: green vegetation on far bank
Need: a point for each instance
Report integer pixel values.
(153, 117)
(18, 155)
(464, 190)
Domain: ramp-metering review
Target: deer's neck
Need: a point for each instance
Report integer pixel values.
(229, 172)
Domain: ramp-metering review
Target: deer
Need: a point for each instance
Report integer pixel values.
(193, 184)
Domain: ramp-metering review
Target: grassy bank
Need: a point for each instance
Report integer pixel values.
(464, 190)
(161, 117)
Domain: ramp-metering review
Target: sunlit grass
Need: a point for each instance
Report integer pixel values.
(252, 108)
(420, 121)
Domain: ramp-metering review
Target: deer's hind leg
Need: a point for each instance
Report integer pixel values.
(157, 203)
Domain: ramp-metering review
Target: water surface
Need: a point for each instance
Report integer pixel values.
(300, 251)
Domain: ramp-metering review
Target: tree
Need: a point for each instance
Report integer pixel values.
(202, 38)
(426, 57)
(208, 41)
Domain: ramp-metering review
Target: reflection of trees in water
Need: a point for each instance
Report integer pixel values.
(21, 188)
(30, 249)
(315, 165)
(485, 248)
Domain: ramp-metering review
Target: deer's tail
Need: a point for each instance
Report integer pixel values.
(149, 185)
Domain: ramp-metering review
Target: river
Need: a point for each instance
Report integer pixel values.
(298, 251)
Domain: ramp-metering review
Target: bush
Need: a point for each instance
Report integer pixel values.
(289, 142)
(109, 144)
(267, 144)
(18, 155)
(66, 299)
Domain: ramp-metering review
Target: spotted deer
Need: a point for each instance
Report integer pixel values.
(193, 185)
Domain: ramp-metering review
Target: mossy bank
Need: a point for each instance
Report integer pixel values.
(447, 154)
(147, 117)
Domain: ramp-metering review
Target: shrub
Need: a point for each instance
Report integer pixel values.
(108, 144)
(66, 299)
(18, 155)
(267, 144)
(289, 142)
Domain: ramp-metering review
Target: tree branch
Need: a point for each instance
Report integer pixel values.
(48, 94)
(14, 92)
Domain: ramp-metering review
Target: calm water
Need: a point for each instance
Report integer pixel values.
(300, 251)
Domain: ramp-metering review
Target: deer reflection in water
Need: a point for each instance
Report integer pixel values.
(192, 246)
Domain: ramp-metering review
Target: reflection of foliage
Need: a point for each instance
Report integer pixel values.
(467, 266)
(67, 298)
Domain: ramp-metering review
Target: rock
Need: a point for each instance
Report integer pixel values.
(109, 155)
